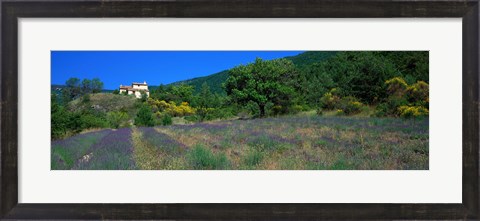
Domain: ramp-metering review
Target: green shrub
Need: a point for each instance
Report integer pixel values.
(243, 115)
(212, 113)
(266, 143)
(350, 105)
(330, 100)
(340, 164)
(272, 110)
(221, 113)
(202, 158)
(117, 119)
(319, 111)
(295, 109)
(366, 109)
(86, 98)
(59, 119)
(205, 114)
(381, 110)
(192, 118)
(166, 120)
(144, 117)
(390, 107)
(91, 121)
(253, 158)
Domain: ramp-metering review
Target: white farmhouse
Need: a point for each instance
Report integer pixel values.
(136, 89)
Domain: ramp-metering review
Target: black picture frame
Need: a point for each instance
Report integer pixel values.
(469, 209)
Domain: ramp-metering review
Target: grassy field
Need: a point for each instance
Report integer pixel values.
(284, 143)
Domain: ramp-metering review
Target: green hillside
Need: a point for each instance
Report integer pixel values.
(215, 81)
(57, 89)
(307, 58)
(104, 102)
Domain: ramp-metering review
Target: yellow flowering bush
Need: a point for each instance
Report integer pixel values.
(350, 105)
(418, 93)
(347, 105)
(412, 111)
(396, 86)
(330, 99)
(404, 100)
(184, 109)
(356, 104)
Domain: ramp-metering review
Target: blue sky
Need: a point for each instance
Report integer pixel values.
(155, 67)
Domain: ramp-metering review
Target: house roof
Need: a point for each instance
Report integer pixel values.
(136, 83)
(129, 88)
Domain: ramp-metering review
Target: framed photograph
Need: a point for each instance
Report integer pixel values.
(240, 110)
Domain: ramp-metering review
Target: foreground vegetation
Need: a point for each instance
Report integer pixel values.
(294, 143)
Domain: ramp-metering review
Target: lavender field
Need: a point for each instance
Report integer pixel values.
(283, 143)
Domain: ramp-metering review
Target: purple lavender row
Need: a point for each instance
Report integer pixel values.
(67, 151)
(162, 141)
(113, 152)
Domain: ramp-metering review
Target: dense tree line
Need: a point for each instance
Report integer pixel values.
(355, 79)
(312, 80)
(75, 88)
(360, 74)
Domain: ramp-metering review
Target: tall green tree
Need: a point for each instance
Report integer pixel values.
(86, 86)
(182, 93)
(73, 83)
(72, 89)
(144, 116)
(261, 82)
(205, 98)
(59, 118)
(313, 83)
(75, 88)
(159, 93)
(97, 85)
(177, 93)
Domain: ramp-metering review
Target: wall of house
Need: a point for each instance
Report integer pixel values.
(138, 94)
(137, 86)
